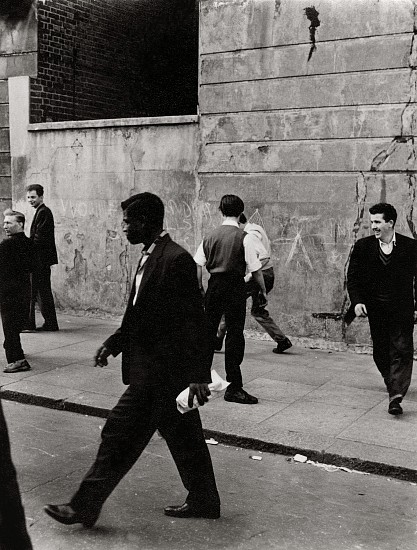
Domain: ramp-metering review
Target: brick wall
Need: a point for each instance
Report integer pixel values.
(115, 58)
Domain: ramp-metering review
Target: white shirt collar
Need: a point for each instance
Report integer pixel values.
(387, 248)
(230, 222)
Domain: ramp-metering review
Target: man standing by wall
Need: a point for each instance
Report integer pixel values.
(42, 233)
(164, 345)
(227, 254)
(260, 314)
(16, 263)
(381, 283)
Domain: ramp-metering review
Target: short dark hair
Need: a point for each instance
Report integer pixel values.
(35, 187)
(387, 210)
(231, 205)
(18, 215)
(242, 218)
(145, 205)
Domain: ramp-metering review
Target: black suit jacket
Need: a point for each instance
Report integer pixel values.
(163, 338)
(365, 269)
(17, 260)
(42, 233)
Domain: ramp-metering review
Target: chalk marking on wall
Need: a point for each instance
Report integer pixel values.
(298, 242)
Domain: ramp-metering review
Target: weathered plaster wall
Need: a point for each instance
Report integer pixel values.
(86, 173)
(18, 45)
(310, 143)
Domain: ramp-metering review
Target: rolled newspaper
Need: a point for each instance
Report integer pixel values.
(216, 385)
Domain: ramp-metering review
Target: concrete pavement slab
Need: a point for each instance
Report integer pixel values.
(328, 405)
(270, 504)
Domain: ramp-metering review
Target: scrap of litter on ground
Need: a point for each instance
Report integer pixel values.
(328, 467)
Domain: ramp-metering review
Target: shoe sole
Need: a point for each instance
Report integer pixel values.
(395, 412)
(17, 370)
(240, 402)
(193, 515)
(282, 350)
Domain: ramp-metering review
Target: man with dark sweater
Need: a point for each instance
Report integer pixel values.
(228, 252)
(381, 284)
(42, 233)
(16, 263)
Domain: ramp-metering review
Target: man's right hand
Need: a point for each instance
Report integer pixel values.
(100, 358)
(360, 310)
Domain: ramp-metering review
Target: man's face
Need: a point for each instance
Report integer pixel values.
(133, 229)
(11, 226)
(34, 199)
(383, 229)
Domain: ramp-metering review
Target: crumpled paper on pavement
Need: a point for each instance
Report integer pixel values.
(216, 385)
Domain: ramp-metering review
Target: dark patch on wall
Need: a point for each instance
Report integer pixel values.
(15, 10)
(313, 16)
(115, 58)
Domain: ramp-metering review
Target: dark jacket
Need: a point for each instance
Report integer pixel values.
(42, 233)
(163, 337)
(17, 260)
(364, 273)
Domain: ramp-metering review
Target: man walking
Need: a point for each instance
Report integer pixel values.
(164, 345)
(13, 531)
(42, 233)
(16, 263)
(227, 254)
(381, 284)
(260, 314)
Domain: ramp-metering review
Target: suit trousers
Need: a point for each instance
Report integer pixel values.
(392, 338)
(42, 293)
(13, 532)
(227, 296)
(260, 314)
(139, 413)
(13, 316)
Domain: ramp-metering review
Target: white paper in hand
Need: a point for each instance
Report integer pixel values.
(216, 385)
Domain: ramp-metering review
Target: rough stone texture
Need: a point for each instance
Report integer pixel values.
(310, 137)
(238, 24)
(86, 174)
(362, 54)
(18, 33)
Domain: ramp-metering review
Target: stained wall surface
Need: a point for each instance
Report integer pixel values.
(310, 135)
(86, 173)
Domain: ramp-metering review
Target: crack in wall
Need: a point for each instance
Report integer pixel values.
(405, 139)
(361, 195)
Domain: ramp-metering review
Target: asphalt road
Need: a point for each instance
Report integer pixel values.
(272, 503)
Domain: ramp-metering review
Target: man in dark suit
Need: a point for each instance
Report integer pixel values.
(381, 282)
(16, 264)
(13, 532)
(42, 233)
(164, 344)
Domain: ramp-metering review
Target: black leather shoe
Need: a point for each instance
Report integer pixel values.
(187, 511)
(47, 328)
(282, 346)
(66, 515)
(395, 407)
(240, 396)
(28, 329)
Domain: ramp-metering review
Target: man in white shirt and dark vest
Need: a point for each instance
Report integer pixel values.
(260, 314)
(381, 284)
(228, 253)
